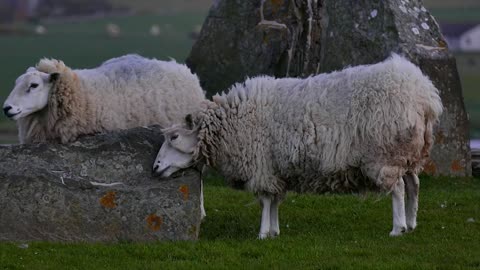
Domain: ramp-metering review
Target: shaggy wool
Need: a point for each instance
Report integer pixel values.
(269, 135)
(122, 93)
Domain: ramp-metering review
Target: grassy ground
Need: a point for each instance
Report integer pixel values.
(317, 232)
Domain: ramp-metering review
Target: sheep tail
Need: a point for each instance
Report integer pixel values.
(427, 138)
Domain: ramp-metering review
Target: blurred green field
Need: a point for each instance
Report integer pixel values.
(469, 69)
(154, 6)
(86, 44)
(458, 15)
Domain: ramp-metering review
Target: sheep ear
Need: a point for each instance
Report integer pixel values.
(189, 120)
(54, 77)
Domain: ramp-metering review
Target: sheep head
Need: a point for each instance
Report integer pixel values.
(178, 149)
(30, 94)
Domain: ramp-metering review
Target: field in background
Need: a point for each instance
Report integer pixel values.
(85, 44)
(162, 6)
(469, 69)
(317, 232)
(457, 15)
(451, 4)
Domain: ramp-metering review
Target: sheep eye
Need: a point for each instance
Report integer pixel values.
(34, 85)
(174, 137)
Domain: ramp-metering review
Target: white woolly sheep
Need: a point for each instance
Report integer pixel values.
(269, 135)
(53, 102)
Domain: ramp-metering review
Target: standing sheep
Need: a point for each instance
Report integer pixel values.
(269, 135)
(53, 102)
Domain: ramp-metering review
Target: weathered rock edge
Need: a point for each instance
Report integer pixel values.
(98, 189)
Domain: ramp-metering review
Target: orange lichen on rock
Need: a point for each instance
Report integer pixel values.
(154, 222)
(184, 190)
(456, 166)
(108, 200)
(430, 168)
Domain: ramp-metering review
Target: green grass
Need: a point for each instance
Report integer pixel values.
(317, 232)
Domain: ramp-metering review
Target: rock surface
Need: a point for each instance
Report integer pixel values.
(96, 189)
(298, 38)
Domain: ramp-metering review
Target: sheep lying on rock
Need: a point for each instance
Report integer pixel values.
(55, 103)
(268, 135)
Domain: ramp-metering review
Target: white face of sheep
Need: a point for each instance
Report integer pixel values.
(176, 152)
(30, 94)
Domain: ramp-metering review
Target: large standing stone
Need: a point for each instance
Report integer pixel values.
(298, 38)
(96, 189)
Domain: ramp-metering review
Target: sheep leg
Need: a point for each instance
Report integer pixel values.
(203, 214)
(274, 224)
(398, 208)
(202, 206)
(412, 185)
(265, 202)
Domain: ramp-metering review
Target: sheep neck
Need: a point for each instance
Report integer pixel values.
(33, 128)
(208, 146)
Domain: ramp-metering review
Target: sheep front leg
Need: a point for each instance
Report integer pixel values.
(398, 209)
(202, 206)
(412, 185)
(265, 202)
(274, 224)
(203, 171)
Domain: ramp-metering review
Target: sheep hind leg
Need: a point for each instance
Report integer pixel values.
(202, 205)
(265, 202)
(412, 185)
(274, 224)
(398, 208)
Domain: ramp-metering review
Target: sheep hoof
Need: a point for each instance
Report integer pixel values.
(262, 236)
(399, 231)
(274, 234)
(411, 227)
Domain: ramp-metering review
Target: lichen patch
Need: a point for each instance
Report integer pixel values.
(154, 222)
(185, 191)
(108, 200)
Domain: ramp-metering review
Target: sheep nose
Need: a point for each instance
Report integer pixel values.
(154, 169)
(6, 109)
(157, 173)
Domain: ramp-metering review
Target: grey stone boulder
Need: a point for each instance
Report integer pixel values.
(298, 38)
(97, 189)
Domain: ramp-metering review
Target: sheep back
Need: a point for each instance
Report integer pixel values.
(122, 93)
(276, 130)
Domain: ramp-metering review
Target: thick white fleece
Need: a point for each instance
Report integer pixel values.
(325, 132)
(122, 93)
